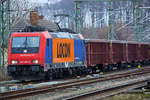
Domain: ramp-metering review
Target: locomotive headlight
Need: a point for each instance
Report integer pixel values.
(14, 61)
(35, 61)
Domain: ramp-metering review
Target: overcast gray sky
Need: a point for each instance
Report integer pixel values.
(45, 1)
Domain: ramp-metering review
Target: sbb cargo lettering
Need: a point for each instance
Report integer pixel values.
(63, 50)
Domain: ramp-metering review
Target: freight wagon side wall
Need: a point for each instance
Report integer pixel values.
(149, 52)
(139, 48)
(140, 52)
(144, 52)
(117, 53)
(132, 52)
(125, 53)
(97, 53)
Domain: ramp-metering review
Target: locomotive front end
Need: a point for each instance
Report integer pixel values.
(25, 60)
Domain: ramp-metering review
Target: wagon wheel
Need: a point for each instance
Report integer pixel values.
(71, 72)
(79, 71)
(110, 68)
(61, 74)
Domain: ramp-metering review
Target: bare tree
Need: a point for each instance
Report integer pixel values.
(18, 10)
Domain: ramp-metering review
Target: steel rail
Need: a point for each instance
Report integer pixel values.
(107, 92)
(51, 88)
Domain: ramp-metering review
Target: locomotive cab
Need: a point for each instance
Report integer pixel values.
(25, 57)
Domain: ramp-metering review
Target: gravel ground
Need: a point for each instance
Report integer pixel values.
(12, 85)
(61, 94)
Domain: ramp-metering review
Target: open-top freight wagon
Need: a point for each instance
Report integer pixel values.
(108, 55)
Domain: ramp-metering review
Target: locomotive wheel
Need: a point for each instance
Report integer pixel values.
(60, 73)
(84, 71)
(70, 72)
(74, 72)
(57, 74)
(105, 68)
(50, 75)
(79, 71)
(23, 81)
(123, 66)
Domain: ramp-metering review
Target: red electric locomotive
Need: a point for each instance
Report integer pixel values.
(40, 55)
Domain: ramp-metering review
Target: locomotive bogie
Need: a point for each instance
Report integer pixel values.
(26, 72)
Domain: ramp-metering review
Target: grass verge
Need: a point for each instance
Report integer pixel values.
(130, 97)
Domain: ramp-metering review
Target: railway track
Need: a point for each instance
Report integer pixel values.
(16, 85)
(51, 88)
(107, 92)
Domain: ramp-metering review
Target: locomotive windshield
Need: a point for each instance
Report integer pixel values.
(25, 44)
